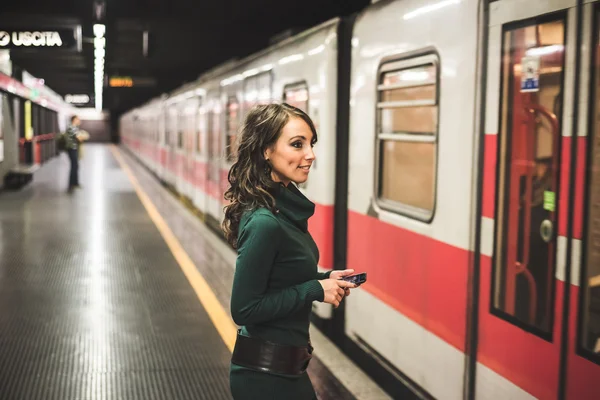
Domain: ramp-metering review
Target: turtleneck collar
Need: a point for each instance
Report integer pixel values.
(294, 205)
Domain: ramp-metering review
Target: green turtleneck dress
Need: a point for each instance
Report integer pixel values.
(274, 285)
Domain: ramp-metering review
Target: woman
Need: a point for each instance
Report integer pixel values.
(276, 278)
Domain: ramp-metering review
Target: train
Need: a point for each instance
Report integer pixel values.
(458, 164)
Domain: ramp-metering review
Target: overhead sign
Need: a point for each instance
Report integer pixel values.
(120, 81)
(131, 81)
(77, 98)
(37, 38)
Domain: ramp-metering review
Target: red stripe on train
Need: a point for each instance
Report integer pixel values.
(422, 278)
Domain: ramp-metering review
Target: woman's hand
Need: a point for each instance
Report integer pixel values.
(335, 290)
(339, 274)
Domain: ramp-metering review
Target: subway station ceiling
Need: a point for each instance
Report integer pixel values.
(161, 44)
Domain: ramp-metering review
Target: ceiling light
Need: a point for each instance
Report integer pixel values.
(99, 54)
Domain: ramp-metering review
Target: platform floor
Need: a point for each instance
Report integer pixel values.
(93, 304)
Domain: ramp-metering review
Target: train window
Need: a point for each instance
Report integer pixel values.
(264, 88)
(407, 125)
(232, 116)
(214, 136)
(257, 90)
(201, 121)
(590, 285)
(528, 151)
(171, 139)
(157, 126)
(297, 95)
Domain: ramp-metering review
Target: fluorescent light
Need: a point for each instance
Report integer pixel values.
(316, 50)
(545, 50)
(292, 58)
(233, 79)
(99, 54)
(429, 8)
(250, 72)
(414, 76)
(99, 30)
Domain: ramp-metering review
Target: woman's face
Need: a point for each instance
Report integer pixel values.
(292, 156)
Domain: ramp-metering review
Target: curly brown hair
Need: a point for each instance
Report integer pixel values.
(251, 185)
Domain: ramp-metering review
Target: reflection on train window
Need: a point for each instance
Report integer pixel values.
(232, 117)
(525, 245)
(407, 136)
(297, 96)
(590, 285)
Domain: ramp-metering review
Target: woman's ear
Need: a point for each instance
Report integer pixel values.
(267, 154)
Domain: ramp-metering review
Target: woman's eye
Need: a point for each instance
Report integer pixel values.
(297, 145)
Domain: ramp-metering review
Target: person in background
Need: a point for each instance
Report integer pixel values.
(276, 279)
(73, 139)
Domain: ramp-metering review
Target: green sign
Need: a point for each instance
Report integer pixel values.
(549, 201)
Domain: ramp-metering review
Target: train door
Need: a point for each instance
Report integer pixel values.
(189, 144)
(214, 204)
(199, 173)
(162, 145)
(171, 144)
(179, 149)
(582, 363)
(531, 89)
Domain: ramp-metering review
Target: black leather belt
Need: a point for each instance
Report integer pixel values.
(270, 357)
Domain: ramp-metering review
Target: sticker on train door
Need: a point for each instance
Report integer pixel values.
(530, 74)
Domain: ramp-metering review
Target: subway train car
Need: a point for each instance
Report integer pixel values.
(458, 164)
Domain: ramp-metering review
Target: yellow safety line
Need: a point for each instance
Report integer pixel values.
(211, 304)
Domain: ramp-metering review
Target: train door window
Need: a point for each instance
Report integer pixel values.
(297, 95)
(525, 245)
(407, 125)
(232, 118)
(590, 285)
(179, 135)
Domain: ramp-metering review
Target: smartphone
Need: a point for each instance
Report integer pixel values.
(357, 279)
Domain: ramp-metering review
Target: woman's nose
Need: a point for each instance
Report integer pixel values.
(309, 154)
